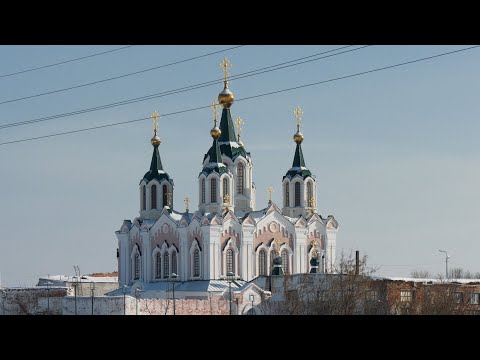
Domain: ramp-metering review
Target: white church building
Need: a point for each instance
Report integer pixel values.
(226, 233)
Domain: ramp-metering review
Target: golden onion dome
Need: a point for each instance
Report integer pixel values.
(298, 137)
(155, 141)
(215, 132)
(226, 97)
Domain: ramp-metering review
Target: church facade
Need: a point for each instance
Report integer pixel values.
(226, 235)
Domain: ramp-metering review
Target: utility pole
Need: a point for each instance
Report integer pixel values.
(446, 263)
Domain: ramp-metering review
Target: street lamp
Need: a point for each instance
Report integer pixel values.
(4, 297)
(75, 285)
(251, 297)
(48, 296)
(230, 276)
(124, 299)
(92, 289)
(137, 295)
(174, 277)
(446, 263)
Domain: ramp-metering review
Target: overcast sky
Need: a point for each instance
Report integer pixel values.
(395, 152)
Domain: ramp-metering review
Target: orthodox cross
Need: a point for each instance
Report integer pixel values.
(225, 64)
(314, 245)
(276, 245)
(169, 199)
(298, 116)
(226, 200)
(270, 190)
(187, 202)
(214, 110)
(155, 116)
(239, 122)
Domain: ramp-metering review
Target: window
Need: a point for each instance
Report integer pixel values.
(137, 267)
(158, 266)
(203, 191)
(262, 264)
(458, 297)
(174, 262)
(153, 196)
(213, 190)
(240, 177)
(371, 295)
(297, 194)
(225, 187)
(165, 195)
(196, 263)
(309, 193)
(229, 257)
(287, 195)
(144, 197)
(166, 265)
(285, 261)
(474, 298)
(406, 295)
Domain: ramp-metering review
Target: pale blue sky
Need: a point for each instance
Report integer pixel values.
(395, 152)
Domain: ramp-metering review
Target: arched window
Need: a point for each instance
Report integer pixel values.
(153, 191)
(240, 178)
(166, 265)
(262, 263)
(287, 194)
(285, 261)
(203, 191)
(213, 190)
(144, 197)
(158, 266)
(225, 187)
(309, 194)
(297, 194)
(136, 267)
(229, 257)
(196, 263)
(174, 262)
(165, 195)
(273, 255)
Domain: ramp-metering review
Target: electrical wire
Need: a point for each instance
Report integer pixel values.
(183, 89)
(247, 98)
(65, 62)
(116, 77)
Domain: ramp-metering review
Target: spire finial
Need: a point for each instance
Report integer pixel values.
(155, 141)
(169, 199)
(225, 64)
(239, 122)
(298, 137)
(187, 202)
(270, 190)
(311, 202)
(215, 132)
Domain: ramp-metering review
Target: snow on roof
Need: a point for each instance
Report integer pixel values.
(55, 279)
(397, 278)
(233, 144)
(298, 168)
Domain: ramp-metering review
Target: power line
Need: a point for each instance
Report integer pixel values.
(65, 62)
(186, 88)
(248, 98)
(115, 77)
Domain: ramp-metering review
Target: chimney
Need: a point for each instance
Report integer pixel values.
(357, 262)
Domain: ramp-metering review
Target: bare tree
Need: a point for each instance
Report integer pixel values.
(421, 274)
